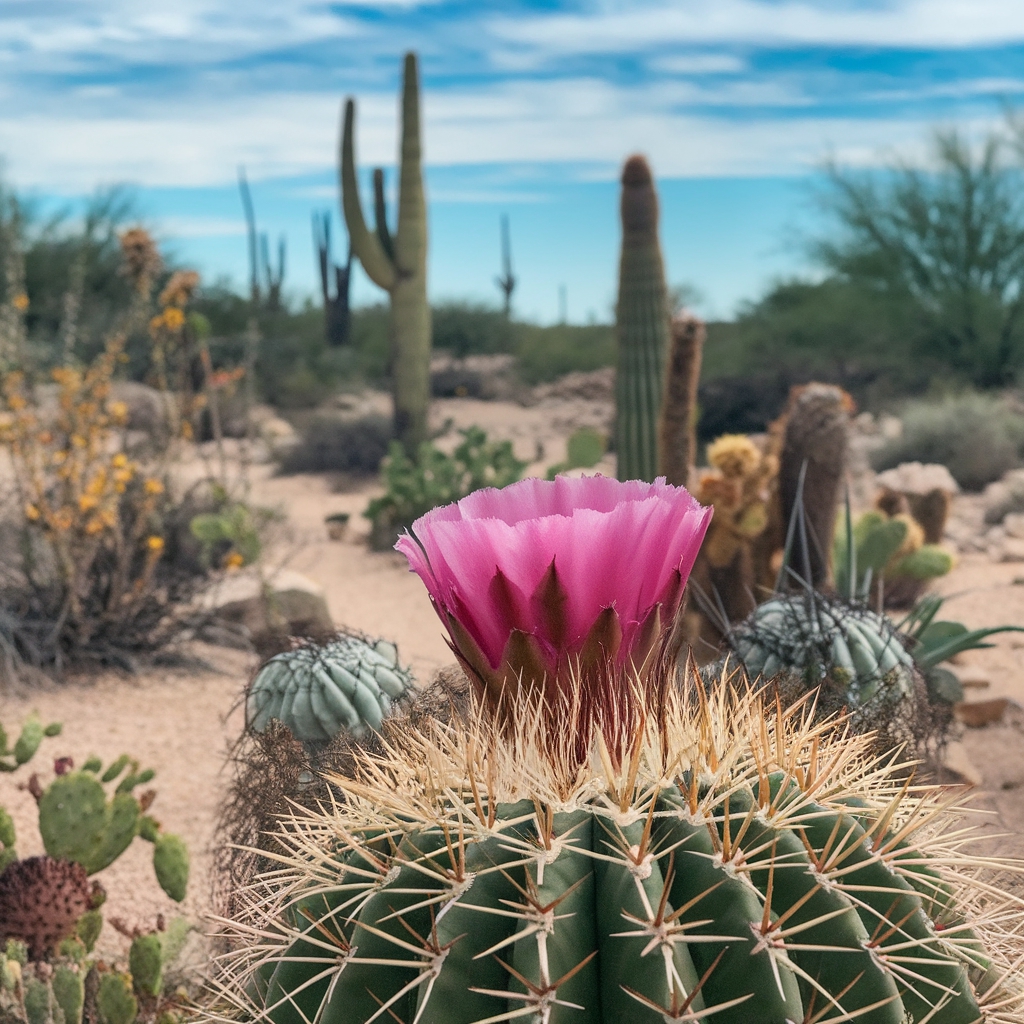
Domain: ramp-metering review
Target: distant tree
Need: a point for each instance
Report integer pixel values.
(944, 244)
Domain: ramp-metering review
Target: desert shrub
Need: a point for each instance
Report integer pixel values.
(467, 329)
(330, 444)
(976, 437)
(584, 450)
(545, 353)
(434, 478)
(94, 568)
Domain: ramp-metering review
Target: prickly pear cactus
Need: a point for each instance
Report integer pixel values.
(728, 863)
(27, 743)
(41, 900)
(819, 640)
(348, 684)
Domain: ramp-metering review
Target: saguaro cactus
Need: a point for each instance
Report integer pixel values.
(641, 326)
(398, 263)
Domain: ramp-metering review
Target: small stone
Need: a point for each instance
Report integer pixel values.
(1012, 550)
(1013, 524)
(973, 677)
(977, 714)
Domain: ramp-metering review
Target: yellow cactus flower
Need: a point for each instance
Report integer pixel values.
(155, 543)
(174, 318)
(154, 486)
(87, 502)
(233, 560)
(734, 454)
(119, 461)
(31, 512)
(20, 302)
(118, 411)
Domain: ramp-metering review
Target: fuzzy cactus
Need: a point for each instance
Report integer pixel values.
(397, 263)
(319, 690)
(677, 426)
(812, 465)
(642, 326)
(41, 900)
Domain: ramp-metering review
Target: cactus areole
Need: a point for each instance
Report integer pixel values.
(397, 263)
(718, 860)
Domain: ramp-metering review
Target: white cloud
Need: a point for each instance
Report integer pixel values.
(577, 122)
(625, 26)
(698, 64)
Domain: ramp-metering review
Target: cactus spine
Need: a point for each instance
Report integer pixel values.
(641, 326)
(398, 263)
(733, 863)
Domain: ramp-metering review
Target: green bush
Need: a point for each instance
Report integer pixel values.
(330, 444)
(434, 478)
(976, 437)
(545, 353)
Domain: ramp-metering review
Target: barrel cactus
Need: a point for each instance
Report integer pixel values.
(598, 841)
(318, 691)
(817, 639)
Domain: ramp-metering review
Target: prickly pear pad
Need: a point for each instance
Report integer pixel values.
(731, 863)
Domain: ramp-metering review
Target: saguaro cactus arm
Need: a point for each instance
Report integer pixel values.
(380, 212)
(366, 245)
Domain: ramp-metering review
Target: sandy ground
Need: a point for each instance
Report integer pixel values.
(182, 722)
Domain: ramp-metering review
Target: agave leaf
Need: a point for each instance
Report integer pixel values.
(967, 641)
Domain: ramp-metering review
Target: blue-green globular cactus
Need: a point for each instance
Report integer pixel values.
(349, 684)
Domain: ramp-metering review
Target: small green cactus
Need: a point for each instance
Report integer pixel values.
(348, 684)
(170, 862)
(40, 1006)
(8, 837)
(115, 1000)
(78, 823)
(88, 929)
(32, 733)
(69, 992)
(146, 963)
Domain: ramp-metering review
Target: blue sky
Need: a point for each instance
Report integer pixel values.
(529, 108)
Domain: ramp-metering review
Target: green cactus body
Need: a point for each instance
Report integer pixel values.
(819, 640)
(171, 865)
(77, 823)
(642, 327)
(146, 964)
(27, 744)
(926, 563)
(40, 1007)
(348, 685)
(115, 1001)
(398, 263)
(8, 837)
(88, 929)
(754, 877)
(69, 993)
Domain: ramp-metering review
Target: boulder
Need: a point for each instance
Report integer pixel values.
(919, 478)
(287, 601)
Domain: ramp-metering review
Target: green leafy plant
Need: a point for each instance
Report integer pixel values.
(434, 478)
(585, 449)
(230, 536)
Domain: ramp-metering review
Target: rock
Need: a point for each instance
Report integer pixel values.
(288, 600)
(1004, 496)
(958, 763)
(919, 478)
(977, 714)
(490, 377)
(973, 677)
(1013, 524)
(592, 385)
(1011, 549)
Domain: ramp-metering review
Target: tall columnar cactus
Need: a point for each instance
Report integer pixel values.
(397, 263)
(677, 425)
(642, 325)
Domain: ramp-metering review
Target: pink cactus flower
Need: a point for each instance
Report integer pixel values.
(543, 580)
